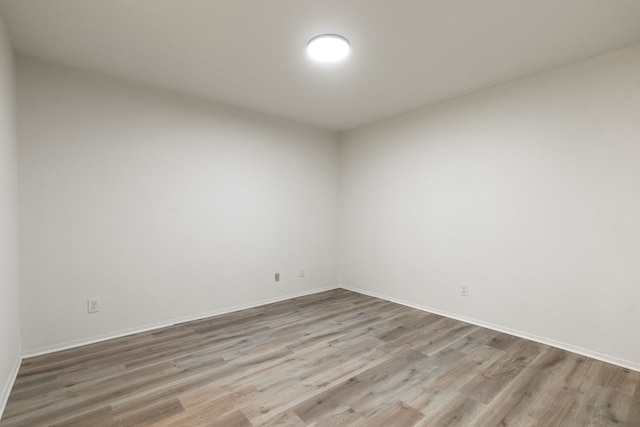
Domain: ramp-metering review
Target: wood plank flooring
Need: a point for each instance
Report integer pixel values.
(332, 359)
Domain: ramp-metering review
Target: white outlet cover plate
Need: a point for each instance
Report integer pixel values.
(93, 305)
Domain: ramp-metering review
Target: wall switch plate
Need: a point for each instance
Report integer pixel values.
(301, 272)
(93, 305)
(276, 277)
(464, 290)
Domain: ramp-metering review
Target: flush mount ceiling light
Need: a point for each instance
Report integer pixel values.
(328, 48)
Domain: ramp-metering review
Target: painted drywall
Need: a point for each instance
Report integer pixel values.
(164, 207)
(9, 291)
(528, 192)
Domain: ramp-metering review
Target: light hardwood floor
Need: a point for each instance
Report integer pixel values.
(334, 358)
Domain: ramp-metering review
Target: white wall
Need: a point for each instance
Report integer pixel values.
(164, 207)
(9, 292)
(529, 192)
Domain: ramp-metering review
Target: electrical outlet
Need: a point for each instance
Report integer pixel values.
(464, 290)
(301, 272)
(93, 305)
(276, 277)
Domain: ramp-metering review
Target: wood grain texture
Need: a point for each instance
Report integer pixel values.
(331, 359)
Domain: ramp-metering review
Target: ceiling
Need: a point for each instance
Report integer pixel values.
(250, 53)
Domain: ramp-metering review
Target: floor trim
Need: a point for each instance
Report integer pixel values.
(557, 344)
(149, 327)
(8, 386)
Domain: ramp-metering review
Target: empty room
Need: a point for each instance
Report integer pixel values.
(337, 213)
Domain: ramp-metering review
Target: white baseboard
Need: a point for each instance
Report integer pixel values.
(6, 390)
(149, 327)
(557, 344)
(81, 342)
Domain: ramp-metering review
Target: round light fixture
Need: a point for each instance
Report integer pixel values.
(328, 48)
